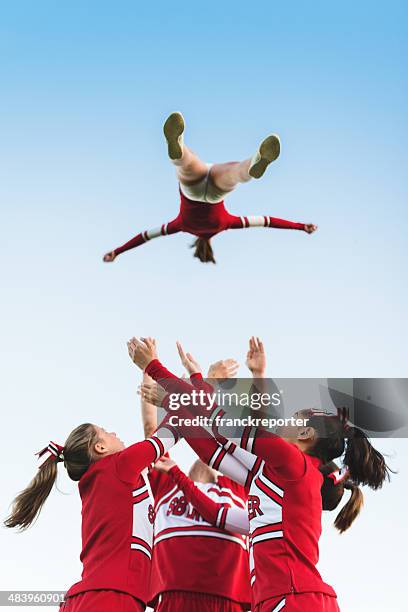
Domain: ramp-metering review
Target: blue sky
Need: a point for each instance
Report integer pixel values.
(86, 88)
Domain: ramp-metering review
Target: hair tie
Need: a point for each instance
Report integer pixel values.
(52, 452)
(339, 475)
(342, 415)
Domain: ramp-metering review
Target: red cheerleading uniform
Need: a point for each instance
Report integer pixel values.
(117, 527)
(205, 221)
(284, 509)
(190, 526)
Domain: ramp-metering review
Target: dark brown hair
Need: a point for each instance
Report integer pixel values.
(78, 456)
(332, 494)
(365, 465)
(203, 250)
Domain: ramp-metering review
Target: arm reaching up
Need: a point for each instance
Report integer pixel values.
(256, 358)
(202, 441)
(280, 454)
(223, 369)
(149, 412)
(132, 460)
(283, 456)
(143, 353)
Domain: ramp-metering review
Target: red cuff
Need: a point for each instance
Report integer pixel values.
(196, 375)
(151, 366)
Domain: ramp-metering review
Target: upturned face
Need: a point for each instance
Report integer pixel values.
(108, 442)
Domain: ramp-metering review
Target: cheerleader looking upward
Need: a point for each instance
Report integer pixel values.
(290, 478)
(203, 188)
(117, 513)
(191, 524)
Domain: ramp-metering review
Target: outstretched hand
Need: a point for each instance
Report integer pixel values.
(310, 228)
(142, 351)
(111, 256)
(226, 368)
(152, 393)
(164, 464)
(188, 361)
(256, 357)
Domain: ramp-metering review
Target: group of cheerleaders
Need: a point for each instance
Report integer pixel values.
(240, 532)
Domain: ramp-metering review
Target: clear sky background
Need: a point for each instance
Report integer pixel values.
(83, 167)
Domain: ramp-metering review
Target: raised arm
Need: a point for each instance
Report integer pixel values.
(207, 448)
(200, 439)
(221, 515)
(283, 456)
(241, 462)
(222, 369)
(166, 229)
(267, 221)
(149, 412)
(143, 353)
(135, 458)
(286, 458)
(256, 363)
(224, 455)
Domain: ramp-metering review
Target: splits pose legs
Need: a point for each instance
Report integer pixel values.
(212, 182)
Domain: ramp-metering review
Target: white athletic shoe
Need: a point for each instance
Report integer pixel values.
(173, 131)
(268, 151)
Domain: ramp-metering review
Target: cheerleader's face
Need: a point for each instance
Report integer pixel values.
(288, 432)
(300, 435)
(201, 472)
(108, 442)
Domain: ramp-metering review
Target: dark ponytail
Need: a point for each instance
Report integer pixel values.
(77, 455)
(203, 250)
(333, 487)
(366, 464)
(351, 509)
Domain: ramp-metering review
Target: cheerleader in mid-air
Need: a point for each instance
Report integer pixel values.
(289, 479)
(203, 188)
(117, 513)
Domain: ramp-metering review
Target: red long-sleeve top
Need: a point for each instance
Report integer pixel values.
(205, 221)
(117, 518)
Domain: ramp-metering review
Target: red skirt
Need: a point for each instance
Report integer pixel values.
(300, 602)
(186, 601)
(99, 601)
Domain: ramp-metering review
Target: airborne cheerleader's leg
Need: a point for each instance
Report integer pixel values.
(190, 169)
(268, 151)
(225, 177)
